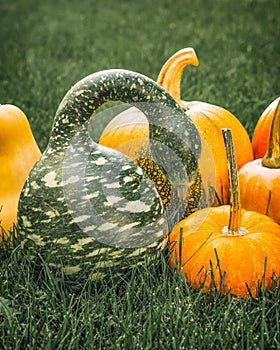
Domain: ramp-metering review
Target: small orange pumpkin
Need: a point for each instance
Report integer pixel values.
(18, 154)
(260, 179)
(233, 248)
(261, 133)
(209, 120)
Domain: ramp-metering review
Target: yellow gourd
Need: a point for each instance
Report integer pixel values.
(18, 154)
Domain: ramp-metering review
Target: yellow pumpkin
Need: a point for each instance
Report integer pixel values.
(18, 154)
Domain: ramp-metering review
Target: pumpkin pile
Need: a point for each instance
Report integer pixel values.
(164, 171)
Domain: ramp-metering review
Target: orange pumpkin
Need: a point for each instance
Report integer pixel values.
(208, 118)
(262, 130)
(235, 250)
(18, 154)
(260, 179)
(128, 132)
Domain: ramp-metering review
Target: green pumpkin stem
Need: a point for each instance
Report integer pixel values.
(272, 157)
(170, 75)
(234, 226)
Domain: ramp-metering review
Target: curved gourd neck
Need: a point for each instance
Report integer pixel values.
(91, 93)
(272, 157)
(170, 75)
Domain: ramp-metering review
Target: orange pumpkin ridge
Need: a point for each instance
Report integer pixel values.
(261, 133)
(235, 250)
(128, 132)
(271, 158)
(260, 179)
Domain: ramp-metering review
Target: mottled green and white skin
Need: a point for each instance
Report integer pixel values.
(87, 206)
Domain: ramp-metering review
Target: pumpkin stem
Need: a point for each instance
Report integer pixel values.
(170, 75)
(234, 226)
(272, 157)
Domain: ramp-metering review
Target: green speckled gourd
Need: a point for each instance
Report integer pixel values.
(86, 207)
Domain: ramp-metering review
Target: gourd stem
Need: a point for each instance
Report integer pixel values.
(234, 225)
(170, 75)
(272, 157)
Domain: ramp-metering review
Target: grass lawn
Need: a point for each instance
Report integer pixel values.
(48, 46)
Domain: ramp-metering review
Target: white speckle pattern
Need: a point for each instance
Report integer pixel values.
(135, 207)
(107, 226)
(37, 239)
(97, 252)
(100, 161)
(90, 228)
(34, 185)
(71, 180)
(127, 179)
(70, 270)
(94, 193)
(81, 218)
(52, 213)
(49, 179)
(113, 199)
(26, 222)
(63, 240)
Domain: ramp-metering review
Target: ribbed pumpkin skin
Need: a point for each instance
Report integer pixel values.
(260, 189)
(262, 130)
(242, 257)
(260, 179)
(18, 154)
(86, 207)
(209, 120)
(128, 133)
